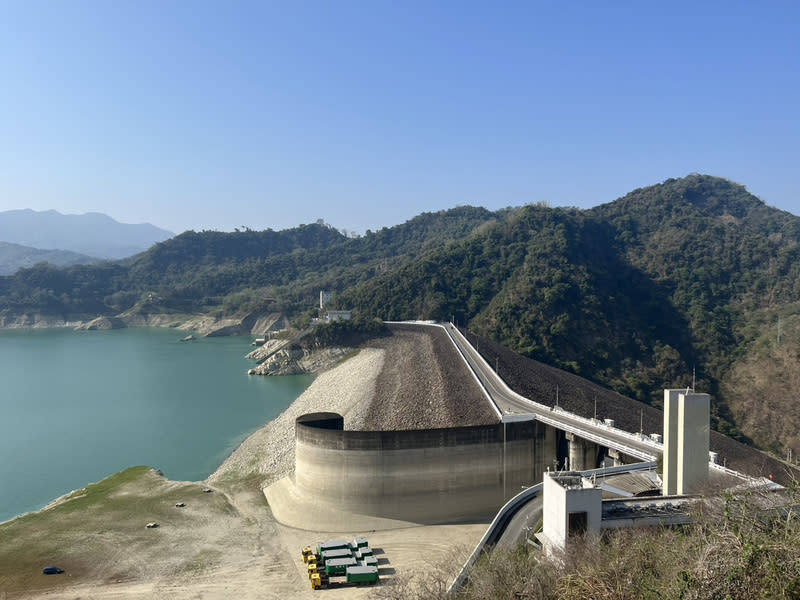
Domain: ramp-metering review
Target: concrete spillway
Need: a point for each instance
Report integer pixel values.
(423, 476)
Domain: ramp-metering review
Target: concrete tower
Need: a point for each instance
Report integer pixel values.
(686, 441)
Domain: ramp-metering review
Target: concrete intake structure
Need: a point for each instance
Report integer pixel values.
(686, 441)
(423, 476)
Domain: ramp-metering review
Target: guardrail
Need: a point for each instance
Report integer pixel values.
(591, 423)
(500, 521)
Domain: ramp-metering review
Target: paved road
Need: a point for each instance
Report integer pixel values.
(511, 407)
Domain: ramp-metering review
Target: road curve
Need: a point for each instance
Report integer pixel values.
(512, 407)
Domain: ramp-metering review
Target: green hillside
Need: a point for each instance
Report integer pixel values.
(671, 282)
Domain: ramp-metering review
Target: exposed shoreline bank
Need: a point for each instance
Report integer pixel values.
(269, 450)
(254, 323)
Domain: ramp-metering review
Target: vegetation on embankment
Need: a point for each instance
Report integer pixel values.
(763, 382)
(736, 548)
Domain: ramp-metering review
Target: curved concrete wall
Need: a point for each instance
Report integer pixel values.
(424, 476)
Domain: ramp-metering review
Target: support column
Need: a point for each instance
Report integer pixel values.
(616, 456)
(582, 453)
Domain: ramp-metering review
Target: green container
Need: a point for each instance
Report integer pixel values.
(338, 566)
(362, 574)
(339, 553)
(364, 551)
(335, 545)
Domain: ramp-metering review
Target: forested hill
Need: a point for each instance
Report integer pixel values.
(210, 270)
(635, 294)
(688, 275)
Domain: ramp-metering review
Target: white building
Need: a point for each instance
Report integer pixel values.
(324, 298)
(571, 505)
(339, 315)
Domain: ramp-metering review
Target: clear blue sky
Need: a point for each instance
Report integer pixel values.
(214, 115)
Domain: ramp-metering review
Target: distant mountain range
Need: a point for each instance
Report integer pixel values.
(91, 234)
(14, 257)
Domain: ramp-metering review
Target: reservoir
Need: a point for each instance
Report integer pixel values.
(76, 407)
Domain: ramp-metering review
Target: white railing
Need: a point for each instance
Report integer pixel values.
(591, 423)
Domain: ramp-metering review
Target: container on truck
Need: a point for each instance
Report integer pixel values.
(338, 566)
(334, 545)
(339, 553)
(362, 574)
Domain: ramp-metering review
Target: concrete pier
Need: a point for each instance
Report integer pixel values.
(582, 453)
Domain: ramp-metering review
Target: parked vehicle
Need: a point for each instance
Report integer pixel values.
(362, 574)
(354, 575)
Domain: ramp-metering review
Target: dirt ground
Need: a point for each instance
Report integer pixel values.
(221, 545)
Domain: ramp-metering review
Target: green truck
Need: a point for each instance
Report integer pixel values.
(354, 575)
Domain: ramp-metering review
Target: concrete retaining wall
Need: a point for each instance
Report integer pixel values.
(424, 476)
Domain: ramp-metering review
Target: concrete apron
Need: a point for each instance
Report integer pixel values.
(291, 507)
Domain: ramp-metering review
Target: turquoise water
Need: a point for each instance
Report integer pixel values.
(76, 407)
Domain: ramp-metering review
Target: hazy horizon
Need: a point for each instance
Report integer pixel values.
(267, 115)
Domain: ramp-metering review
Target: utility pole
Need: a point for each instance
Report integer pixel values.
(780, 324)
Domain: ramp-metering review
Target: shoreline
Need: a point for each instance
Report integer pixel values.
(269, 451)
(327, 389)
(206, 548)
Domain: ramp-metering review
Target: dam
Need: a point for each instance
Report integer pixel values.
(449, 474)
(422, 476)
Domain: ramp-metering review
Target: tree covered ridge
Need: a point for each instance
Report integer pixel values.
(651, 290)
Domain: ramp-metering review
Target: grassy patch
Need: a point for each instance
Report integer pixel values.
(99, 533)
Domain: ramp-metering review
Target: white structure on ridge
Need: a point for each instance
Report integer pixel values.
(686, 441)
(339, 315)
(324, 298)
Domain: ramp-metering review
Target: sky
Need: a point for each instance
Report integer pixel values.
(215, 115)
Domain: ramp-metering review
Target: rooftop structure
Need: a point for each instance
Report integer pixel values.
(573, 505)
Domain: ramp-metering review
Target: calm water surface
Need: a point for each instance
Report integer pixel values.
(76, 407)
